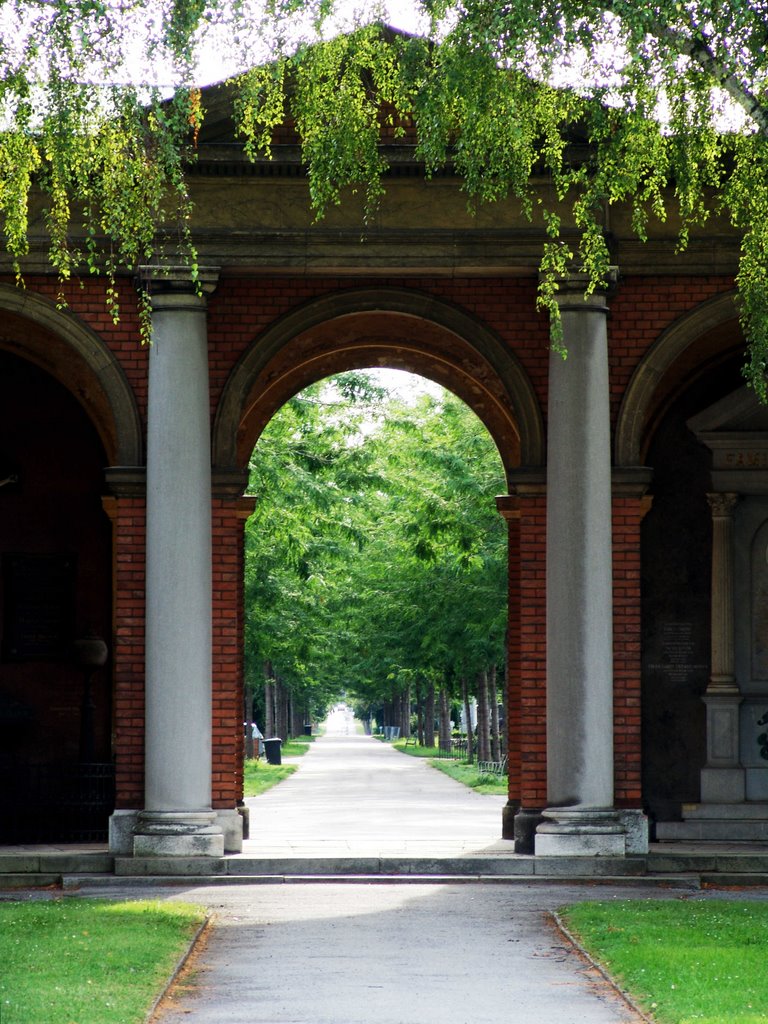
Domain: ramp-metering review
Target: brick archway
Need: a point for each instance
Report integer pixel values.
(57, 342)
(355, 329)
(681, 352)
(389, 327)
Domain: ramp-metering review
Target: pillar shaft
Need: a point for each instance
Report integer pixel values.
(579, 589)
(722, 778)
(177, 818)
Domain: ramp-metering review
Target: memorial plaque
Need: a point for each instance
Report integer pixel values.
(39, 605)
(680, 656)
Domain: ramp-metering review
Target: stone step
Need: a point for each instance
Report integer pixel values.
(726, 812)
(509, 866)
(709, 864)
(56, 863)
(713, 830)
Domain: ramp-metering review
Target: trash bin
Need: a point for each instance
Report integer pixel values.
(272, 750)
(307, 730)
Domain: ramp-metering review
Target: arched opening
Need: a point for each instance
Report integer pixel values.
(56, 776)
(376, 563)
(385, 327)
(695, 364)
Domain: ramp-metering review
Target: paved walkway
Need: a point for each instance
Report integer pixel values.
(384, 951)
(356, 796)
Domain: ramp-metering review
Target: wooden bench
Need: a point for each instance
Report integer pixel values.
(493, 767)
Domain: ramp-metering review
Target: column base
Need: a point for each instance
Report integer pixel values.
(178, 834)
(582, 832)
(508, 815)
(526, 821)
(231, 824)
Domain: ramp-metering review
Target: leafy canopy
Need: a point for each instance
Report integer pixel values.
(671, 96)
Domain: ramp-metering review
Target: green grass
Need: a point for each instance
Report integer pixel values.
(684, 962)
(260, 776)
(72, 961)
(296, 747)
(462, 772)
(468, 775)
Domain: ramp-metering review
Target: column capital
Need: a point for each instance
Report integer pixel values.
(723, 503)
(572, 296)
(178, 287)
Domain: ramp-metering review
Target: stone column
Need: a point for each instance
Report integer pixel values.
(722, 778)
(177, 819)
(579, 819)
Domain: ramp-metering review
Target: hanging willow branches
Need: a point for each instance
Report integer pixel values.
(100, 112)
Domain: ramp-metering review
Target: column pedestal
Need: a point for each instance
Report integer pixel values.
(576, 832)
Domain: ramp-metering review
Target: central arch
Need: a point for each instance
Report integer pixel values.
(392, 327)
(354, 329)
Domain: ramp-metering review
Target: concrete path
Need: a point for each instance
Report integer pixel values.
(355, 796)
(389, 951)
(389, 954)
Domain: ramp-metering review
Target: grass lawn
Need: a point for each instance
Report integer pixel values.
(684, 962)
(465, 773)
(261, 776)
(72, 961)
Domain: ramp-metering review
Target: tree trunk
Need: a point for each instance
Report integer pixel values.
(429, 716)
(445, 720)
(248, 719)
(281, 710)
(496, 751)
(483, 732)
(269, 700)
(468, 718)
(420, 719)
(405, 712)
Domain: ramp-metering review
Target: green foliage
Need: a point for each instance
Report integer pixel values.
(376, 558)
(98, 961)
(610, 102)
(682, 960)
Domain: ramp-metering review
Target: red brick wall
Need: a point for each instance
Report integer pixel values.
(533, 653)
(240, 310)
(627, 518)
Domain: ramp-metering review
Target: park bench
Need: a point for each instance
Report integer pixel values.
(493, 767)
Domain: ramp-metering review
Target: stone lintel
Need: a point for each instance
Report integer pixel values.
(126, 481)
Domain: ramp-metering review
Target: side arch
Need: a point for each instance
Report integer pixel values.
(641, 397)
(380, 326)
(59, 343)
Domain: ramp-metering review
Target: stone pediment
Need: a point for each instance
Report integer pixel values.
(735, 429)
